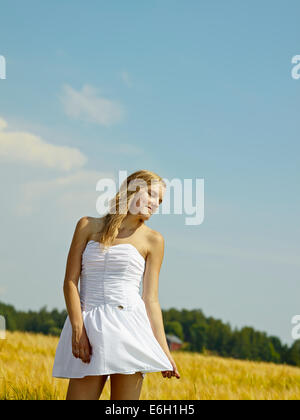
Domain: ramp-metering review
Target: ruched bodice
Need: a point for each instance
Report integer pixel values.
(110, 276)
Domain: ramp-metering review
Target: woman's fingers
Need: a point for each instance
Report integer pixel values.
(82, 353)
(176, 373)
(170, 373)
(87, 355)
(167, 373)
(75, 350)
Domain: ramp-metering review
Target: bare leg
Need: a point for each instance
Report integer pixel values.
(87, 388)
(125, 387)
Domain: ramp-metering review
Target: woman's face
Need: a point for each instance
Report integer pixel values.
(147, 200)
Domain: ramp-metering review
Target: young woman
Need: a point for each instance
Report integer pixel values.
(111, 331)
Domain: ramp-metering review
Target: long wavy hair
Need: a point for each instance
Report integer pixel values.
(121, 201)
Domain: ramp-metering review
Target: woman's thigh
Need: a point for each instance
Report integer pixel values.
(126, 387)
(87, 388)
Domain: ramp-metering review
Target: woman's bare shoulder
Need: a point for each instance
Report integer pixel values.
(154, 238)
(154, 234)
(96, 224)
(92, 225)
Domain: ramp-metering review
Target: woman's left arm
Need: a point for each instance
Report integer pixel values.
(150, 290)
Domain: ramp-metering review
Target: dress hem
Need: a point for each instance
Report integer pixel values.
(108, 373)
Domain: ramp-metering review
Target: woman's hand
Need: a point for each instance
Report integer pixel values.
(170, 373)
(81, 347)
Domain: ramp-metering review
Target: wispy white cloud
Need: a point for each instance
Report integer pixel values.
(66, 194)
(88, 106)
(28, 148)
(74, 193)
(3, 124)
(125, 78)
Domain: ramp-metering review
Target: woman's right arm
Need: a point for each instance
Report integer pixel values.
(70, 288)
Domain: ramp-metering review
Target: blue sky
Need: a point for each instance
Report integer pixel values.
(197, 89)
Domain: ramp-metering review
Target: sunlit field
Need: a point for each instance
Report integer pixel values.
(26, 362)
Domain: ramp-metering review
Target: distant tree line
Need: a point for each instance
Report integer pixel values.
(48, 323)
(209, 335)
(199, 334)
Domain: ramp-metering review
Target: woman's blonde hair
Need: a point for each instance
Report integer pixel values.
(121, 201)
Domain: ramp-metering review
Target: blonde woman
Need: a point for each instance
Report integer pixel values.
(111, 331)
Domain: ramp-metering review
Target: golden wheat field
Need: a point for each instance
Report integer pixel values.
(26, 362)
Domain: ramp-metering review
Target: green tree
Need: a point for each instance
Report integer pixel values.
(175, 328)
(293, 354)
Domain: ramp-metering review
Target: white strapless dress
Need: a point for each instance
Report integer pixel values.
(114, 315)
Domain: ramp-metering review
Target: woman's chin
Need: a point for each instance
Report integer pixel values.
(146, 214)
